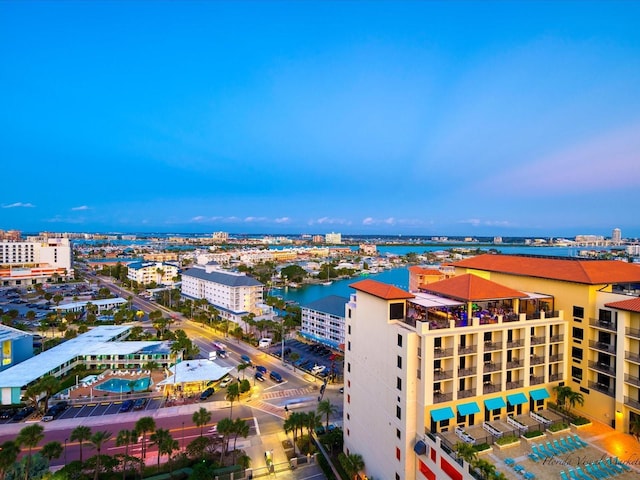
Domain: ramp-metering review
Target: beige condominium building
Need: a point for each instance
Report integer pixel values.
(477, 355)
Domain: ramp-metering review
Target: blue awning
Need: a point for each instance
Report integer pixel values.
(420, 447)
(468, 409)
(495, 403)
(442, 414)
(539, 394)
(517, 399)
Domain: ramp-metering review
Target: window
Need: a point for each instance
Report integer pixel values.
(397, 477)
(578, 312)
(397, 453)
(348, 367)
(576, 353)
(398, 412)
(396, 311)
(578, 333)
(399, 383)
(576, 373)
(399, 361)
(399, 340)
(348, 398)
(419, 374)
(398, 434)
(349, 346)
(349, 329)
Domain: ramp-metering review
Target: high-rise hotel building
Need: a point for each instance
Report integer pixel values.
(36, 261)
(479, 354)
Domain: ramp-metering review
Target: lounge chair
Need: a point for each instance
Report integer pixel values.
(540, 451)
(612, 466)
(624, 466)
(559, 447)
(563, 475)
(529, 476)
(571, 441)
(518, 468)
(534, 457)
(510, 462)
(573, 475)
(581, 474)
(591, 471)
(610, 470)
(579, 440)
(597, 471)
(564, 443)
(550, 448)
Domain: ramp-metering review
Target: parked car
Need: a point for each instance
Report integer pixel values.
(7, 413)
(207, 393)
(225, 381)
(23, 414)
(275, 376)
(246, 359)
(126, 406)
(261, 369)
(318, 369)
(259, 377)
(140, 404)
(54, 411)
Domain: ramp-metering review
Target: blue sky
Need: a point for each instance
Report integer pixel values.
(423, 118)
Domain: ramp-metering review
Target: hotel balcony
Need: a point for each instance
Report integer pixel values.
(467, 372)
(517, 384)
(632, 380)
(442, 352)
(555, 358)
(632, 332)
(538, 340)
(610, 326)
(465, 350)
(440, 374)
(630, 402)
(440, 397)
(467, 393)
(632, 357)
(603, 367)
(492, 346)
(556, 339)
(515, 344)
(556, 377)
(490, 388)
(492, 366)
(515, 364)
(536, 360)
(603, 347)
(601, 387)
(536, 380)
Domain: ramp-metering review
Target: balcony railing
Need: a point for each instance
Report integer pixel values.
(440, 397)
(440, 374)
(515, 344)
(602, 367)
(464, 350)
(443, 352)
(467, 393)
(602, 387)
(491, 346)
(466, 372)
(610, 326)
(516, 384)
(536, 360)
(632, 402)
(492, 366)
(555, 377)
(515, 364)
(632, 357)
(536, 380)
(555, 358)
(632, 332)
(603, 347)
(538, 340)
(490, 388)
(632, 380)
(556, 339)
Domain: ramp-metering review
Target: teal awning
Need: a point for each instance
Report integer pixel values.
(442, 414)
(517, 399)
(495, 403)
(539, 394)
(468, 409)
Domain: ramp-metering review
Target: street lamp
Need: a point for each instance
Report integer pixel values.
(183, 435)
(65, 451)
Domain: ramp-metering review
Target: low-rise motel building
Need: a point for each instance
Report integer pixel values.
(477, 355)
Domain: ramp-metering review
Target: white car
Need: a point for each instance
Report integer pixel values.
(225, 382)
(318, 369)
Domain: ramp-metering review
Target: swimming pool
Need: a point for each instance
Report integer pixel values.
(117, 385)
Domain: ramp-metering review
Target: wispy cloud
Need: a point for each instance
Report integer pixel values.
(18, 205)
(282, 220)
(60, 219)
(80, 208)
(329, 221)
(392, 221)
(476, 222)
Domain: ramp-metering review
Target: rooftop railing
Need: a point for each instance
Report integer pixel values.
(606, 325)
(632, 332)
(602, 346)
(632, 357)
(602, 367)
(602, 387)
(632, 379)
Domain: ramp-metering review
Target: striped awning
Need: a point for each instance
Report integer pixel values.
(468, 409)
(517, 398)
(495, 403)
(539, 394)
(442, 414)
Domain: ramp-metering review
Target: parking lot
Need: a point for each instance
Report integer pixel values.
(314, 358)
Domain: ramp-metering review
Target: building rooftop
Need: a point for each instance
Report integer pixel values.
(591, 272)
(98, 303)
(425, 271)
(332, 304)
(631, 305)
(381, 290)
(195, 371)
(223, 278)
(10, 333)
(471, 288)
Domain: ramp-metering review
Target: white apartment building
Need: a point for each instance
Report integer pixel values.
(144, 273)
(323, 321)
(36, 261)
(333, 238)
(233, 294)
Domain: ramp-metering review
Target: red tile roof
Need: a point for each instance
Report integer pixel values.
(381, 290)
(425, 271)
(631, 305)
(592, 272)
(472, 288)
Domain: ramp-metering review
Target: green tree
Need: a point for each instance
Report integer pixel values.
(124, 439)
(293, 358)
(9, 452)
(225, 428)
(634, 425)
(159, 437)
(326, 408)
(201, 417)
(561, 392)
(52, 450)
(573, 399)
(29, 437)
(240, 428)
(97, 440)
(233, 393)
(242, 367)
(48, 385)
(80, 434)
(466, 452)
(143, 426)
(312, 420)
(486, 468)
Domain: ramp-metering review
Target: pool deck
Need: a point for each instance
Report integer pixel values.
(89, 392)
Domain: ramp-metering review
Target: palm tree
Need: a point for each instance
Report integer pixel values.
(52, 450)
(80, 434)
(574, 398)
(312, 420)
(466, 452)
(486, 468)
(233, 393)
(167, 447)
(241, 368)
(201, 418)
(48, 385)
(561, 395)
(125, 438)
(291, 424)
(634, 425)
(325, 407)
(240, 427)
(9, 452)
(158, 438)
(97, 440)
(30, 437)
(145, 425)
(356, 461)
(32, 395)
(225, 428)
(293, 358)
